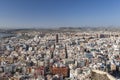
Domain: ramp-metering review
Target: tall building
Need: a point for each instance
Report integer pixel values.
(66, 54)
(57, 39)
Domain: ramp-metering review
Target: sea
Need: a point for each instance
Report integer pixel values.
(2, 35)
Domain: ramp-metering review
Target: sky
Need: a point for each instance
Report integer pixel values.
(59, 13)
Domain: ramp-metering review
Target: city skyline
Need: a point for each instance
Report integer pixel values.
(58, 13)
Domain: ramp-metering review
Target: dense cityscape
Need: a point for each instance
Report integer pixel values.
(59, 39)
(52, 55)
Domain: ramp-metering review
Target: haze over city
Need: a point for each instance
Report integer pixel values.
(59, 13)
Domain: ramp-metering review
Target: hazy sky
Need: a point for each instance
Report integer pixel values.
(52, 13)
